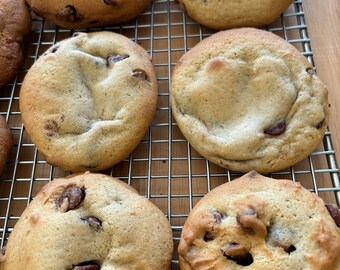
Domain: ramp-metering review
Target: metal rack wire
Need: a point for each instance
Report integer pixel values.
(164, 167)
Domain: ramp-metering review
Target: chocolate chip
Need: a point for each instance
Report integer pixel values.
(310, 71)
(209, 236)
(115, 58)
(75, 34)
(277, 129)
(93, 222)
(237, 253)
(55, 48)
(290, 249)
(321, 123)
(112, 2)
(334, 212)
(68, 14)
(70, 198)
(87, 266)
(139, 73)
(218, 217)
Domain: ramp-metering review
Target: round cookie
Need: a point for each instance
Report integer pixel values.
(89, 221)
(88, 101)
(6, 143)
(226, 14)
(15, 22)
(83, 14)
(247, 100)
(259, 223)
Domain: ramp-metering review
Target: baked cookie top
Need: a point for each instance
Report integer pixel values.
(88, 101)
(248, 100)
(227, 14)
(83, 14)
(89, 222)
(15, 22)
(259, 223)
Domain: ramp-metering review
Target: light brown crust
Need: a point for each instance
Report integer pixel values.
(89, 100)
(133, 234)
(228, 14)
(15, 22)
(231, 93)
(281, 224)
(83, 14)
(6, 143)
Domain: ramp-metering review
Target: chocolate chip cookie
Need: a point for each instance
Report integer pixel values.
(88, 101)
(89, 222)
(227, 14)
(255, 222)
(15, 23)
(247, 100)
(83, 14)
(6, 143)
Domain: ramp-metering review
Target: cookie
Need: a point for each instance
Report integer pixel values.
(15, 23)
(83, 14)
(88, 101)
(217, 14)
(6, 143)
(89, 221)
(247, 100)
(255, 222)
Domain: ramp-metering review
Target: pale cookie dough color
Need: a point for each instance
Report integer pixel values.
(89, 222)
(258, 223)
(247, 100)
(83, 14)
(15, 22)
(225, 14)
(88, 101)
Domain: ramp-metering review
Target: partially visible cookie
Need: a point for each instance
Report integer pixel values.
(248, 100)
(15, 22)
(88, 101)
(259, 223)
(83, 14)
(6, 143)
(227, 14)
(89, 222)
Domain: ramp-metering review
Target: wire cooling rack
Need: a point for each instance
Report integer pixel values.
(164, 167)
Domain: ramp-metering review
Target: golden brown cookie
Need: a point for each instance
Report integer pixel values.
(83, 14)
(89, 222)
(88, 101)
(227, 14)
(248, 100)
(6, 143)
(257, 223)
(15, 22)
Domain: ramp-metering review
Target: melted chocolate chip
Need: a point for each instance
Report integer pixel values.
(276, 130)
(334, 212)
(290, 249)
(93, 222)
(139, 73)
(70, 198)
(68, 14)
(209, 236)
(218, 217)
(115, 58)
(112, 2)
(320, 125)
(55, 48)
(237, 253)
(87, 266)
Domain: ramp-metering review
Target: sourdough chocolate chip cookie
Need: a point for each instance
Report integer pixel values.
(15, 22)
(226, 14)
(260, 223)
(248, 100)
(89, 221)
(82, 14)
(88, 101)
(6, 143)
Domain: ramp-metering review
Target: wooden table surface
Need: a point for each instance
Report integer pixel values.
(323, 20)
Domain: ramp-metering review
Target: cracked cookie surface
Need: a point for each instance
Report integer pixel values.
(255, 222)
(84, 14)
(88, 222)
(247, 100)
(88, 100)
